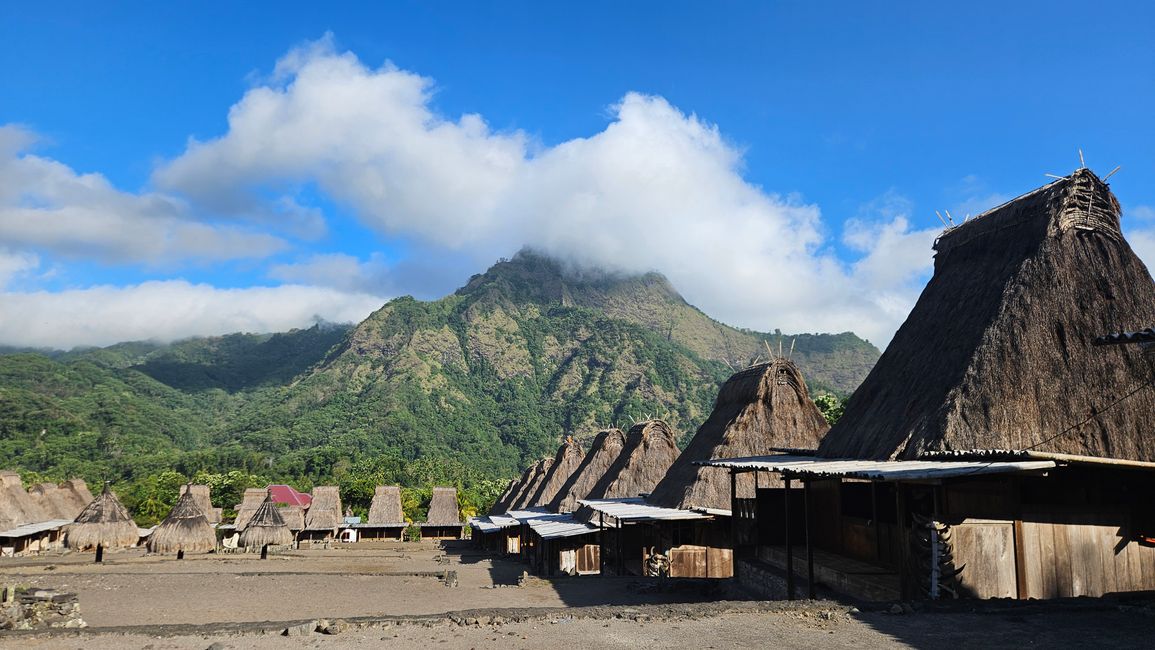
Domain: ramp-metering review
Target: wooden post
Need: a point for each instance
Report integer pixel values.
(180, 554)
(903, 543)
(601, 543)
(99, 553)
(265, 552)
(1021, 586)
(873, 519)
(809, 542)
(618, 535)
(789, 547)
(734, 526)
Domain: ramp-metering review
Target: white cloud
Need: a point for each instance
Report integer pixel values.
(1139, 226)
(657, 189)
(45, 205)
(168, 310)
(16, 264)
(336, 270)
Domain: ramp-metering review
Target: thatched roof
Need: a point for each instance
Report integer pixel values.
(78, 494)
(515, 490)
(604, 450)
(201, 496)
(386, 506)
(499, 504)
(250, 501)
(54, 501)
(443, 508)
(997, 353)
(764, 407)
(186, 528)
(294, 516)
(524, 498)
(102, 522)
(17, 507)
(569, 456)
(324, 512)
(266, 526)
(650, 450)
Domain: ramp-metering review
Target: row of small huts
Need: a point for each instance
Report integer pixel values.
(997, 448)
(49, 516)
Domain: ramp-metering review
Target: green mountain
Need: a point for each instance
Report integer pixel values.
(484, 379)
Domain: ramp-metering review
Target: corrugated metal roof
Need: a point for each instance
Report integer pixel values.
(986, 455)
(370, 526)
(510, 519)
(635, 509)
(876, 470)
(34, 529)
(557, 526)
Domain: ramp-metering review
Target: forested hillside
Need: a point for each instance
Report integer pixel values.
(466, 389)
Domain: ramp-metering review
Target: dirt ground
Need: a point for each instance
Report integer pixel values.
(394, 595)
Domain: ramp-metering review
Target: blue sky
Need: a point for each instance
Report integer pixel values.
(205, 168)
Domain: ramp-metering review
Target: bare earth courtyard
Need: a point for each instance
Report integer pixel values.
(375, 595)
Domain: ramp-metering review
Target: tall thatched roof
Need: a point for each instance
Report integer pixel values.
(764, 407)
(54, 501)
(17, 507)
(499, 504)
(324, 512)
(604, 450)
(186, 528)
(203, 499)
(102, 522)
(524, 499)
(386, 506)
(997, 354)
(515, 490)
(250, 501)
(650, 450)
(294, 516)
(78, 494)
(569, 456)
(266, 526)
(443, 508)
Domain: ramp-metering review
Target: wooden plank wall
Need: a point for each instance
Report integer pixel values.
(1082, 555)
(588, 560)
(985, 550)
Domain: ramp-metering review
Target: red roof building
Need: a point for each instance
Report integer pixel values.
(287, 495)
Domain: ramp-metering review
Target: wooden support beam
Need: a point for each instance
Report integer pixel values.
(809, 542)
(789, 546)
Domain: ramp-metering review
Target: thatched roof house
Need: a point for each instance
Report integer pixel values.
(524, 498)
(186, 528)
(266, 526)
(569, 456)
(250, 501)
(54, 501)
(604, 450)
(78, 494)
(997, 354)
(324, 513)
(499, 505)
(650, 450)
(103, 522)
(203, 500)
(17, 507)
(385, 509)
(764, 407)
(443, 508)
